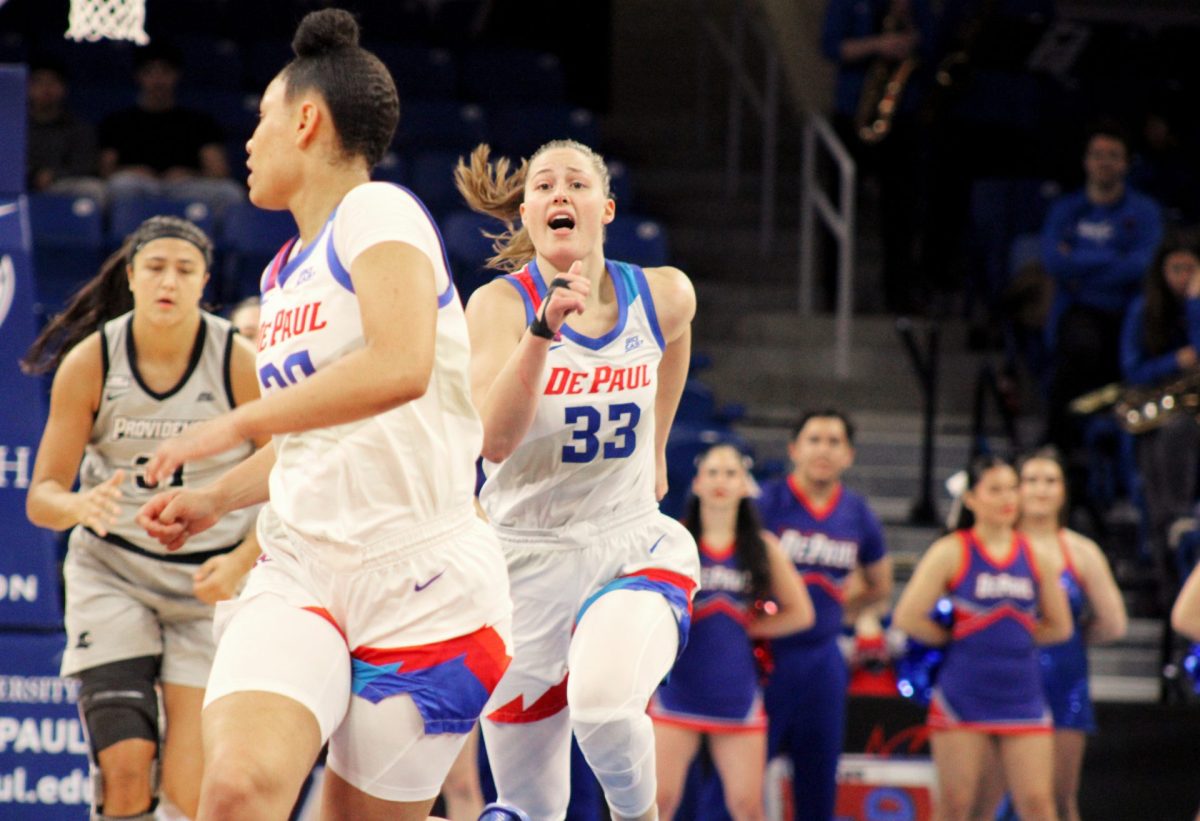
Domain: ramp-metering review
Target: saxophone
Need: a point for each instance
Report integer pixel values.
(1142, 408)
(885, 83)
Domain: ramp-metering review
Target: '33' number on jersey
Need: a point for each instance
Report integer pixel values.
(585, 443)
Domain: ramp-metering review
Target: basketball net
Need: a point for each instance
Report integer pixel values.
(94, 20)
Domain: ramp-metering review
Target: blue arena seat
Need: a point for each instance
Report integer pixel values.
(431, 177)
(210, 61)
(621, 183)
(638, 240)
(500, 75)
(440, 124)
(250, 237)
(420, 73)
(127, 213)
(520, 129)
(392, 168)
(468, 248)
(68, 246)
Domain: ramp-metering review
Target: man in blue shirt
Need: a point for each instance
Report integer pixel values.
(1097, 244)
(829, 532)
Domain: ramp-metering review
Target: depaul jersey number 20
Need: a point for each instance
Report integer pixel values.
(585, 443)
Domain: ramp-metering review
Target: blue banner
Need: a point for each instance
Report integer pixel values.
(29, 587)
(43, 750)
(12, 114)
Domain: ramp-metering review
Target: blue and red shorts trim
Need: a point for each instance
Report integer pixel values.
(448, 681)
(676, 588)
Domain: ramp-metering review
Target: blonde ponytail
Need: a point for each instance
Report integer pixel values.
(489, 188)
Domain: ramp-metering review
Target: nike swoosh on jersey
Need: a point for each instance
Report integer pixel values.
(418, 587)
(654, 546)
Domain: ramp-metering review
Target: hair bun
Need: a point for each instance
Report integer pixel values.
(325, 31)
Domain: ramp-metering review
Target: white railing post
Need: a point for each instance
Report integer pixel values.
(729, 41)
(766, 236)
(840, 221)
(733, 149)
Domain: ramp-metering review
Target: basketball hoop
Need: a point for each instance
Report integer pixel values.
(93, 20)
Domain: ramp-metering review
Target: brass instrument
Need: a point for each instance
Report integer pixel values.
(1143, 408)
(885, 83)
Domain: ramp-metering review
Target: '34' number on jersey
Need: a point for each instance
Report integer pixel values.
(585, 442)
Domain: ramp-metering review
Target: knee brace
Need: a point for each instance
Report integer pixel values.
(620, 752)
(119, 701)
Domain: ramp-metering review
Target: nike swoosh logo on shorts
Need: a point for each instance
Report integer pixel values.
(417, 588)
(654, 546)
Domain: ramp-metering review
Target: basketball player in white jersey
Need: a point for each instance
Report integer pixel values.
(139, 618)
(378, 618)
(576, 416)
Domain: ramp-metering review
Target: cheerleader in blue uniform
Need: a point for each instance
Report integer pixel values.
(713, 689)
(1097, 611)
(989, 697)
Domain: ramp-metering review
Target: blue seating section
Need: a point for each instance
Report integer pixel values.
(125, 214)
(519, 129)
(68, 246)
(451, 101)
(250, 238)
(469, 249)
(636, 239)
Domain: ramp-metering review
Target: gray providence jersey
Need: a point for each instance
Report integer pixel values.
(132, 420)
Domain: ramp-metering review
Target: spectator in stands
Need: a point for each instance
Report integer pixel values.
(159, 148)
(61, 149)
(245, 315)
(1097, 244)
(869, 42)
(1159, 344)
(1162, 167)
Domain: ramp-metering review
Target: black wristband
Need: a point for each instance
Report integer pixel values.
(539, 327)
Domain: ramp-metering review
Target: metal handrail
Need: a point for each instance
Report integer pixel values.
(840, 221)
(729, 42)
